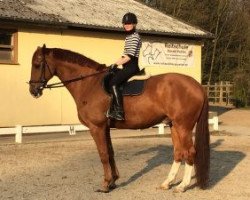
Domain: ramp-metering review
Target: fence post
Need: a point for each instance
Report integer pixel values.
(19, 130)
(161, 129)
(72, 130)
(221, 93)
(228, 91)
(216, 123)
(216, 93)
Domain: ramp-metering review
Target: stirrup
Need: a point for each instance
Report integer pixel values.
(119, 117)
(115, 115)
(110, 114)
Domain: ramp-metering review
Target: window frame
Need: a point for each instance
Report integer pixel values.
(13, 46)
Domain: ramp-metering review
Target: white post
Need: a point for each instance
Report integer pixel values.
(214, 120)
(161, 128)
(216, 123)
(72, 130)
(19, 130)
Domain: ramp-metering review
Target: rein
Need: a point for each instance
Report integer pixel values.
(43, 80)
(64, 83)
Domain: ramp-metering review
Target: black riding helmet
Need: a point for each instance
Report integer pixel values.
(129, 18)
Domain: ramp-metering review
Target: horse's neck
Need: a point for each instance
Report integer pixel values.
(67, 71)
(70, 65)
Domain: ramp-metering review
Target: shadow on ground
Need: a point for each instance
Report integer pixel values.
(219, 109)
(222, 162)
(160, 152)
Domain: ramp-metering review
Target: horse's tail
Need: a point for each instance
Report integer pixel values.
(202, 147)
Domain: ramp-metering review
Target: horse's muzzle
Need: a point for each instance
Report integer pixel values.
(36, 90)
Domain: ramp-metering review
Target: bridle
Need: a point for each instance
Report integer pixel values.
(43, 82)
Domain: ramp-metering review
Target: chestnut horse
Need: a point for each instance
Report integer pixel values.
(171, 97)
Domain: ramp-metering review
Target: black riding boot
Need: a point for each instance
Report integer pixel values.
(116, 107)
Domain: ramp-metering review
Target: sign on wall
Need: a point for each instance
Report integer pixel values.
(167, 54)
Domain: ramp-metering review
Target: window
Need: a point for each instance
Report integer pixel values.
(8, 46)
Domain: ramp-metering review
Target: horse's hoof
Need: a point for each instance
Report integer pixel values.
(163, 187)
(104, 190)
(179, 190)
(112, 186)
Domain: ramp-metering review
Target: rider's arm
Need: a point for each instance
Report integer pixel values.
(130, 49)
(124, 59)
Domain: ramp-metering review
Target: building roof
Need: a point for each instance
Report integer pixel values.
(96, 14)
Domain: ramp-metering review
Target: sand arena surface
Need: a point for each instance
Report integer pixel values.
(59, 166)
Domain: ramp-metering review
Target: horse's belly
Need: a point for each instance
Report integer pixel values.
(138, 123)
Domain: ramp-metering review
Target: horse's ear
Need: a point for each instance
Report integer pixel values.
(37, 58)
(43, 49)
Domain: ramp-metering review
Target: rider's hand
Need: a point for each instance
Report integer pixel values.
(113, 66)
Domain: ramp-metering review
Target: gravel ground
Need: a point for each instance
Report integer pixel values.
(59, 166)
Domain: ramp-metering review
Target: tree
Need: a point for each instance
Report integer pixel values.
(227, 57)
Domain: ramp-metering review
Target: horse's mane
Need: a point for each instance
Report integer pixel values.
(73, 57)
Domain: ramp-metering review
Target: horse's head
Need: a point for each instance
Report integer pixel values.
(41, 72)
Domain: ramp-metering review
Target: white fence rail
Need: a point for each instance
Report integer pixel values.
(213, 120)
(19, 130)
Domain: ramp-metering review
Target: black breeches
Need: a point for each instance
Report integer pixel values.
(129, 69)
(123, 75)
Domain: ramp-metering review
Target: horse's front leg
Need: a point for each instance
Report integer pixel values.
(115, 173)
(99, 135)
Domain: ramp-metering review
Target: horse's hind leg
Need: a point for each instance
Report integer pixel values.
(177, 160)
(183, 149)
(186, 178)
(186, 151)
(171, 176)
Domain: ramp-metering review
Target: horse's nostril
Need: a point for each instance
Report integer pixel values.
(35, 92)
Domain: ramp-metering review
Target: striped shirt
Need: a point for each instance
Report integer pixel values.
(132, 45)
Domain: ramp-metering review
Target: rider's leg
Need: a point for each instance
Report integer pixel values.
(118, 112)
(118, 79)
